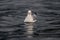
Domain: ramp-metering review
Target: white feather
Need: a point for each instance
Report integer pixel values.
(30, 17)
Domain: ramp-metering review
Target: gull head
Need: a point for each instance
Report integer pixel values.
(29, 11)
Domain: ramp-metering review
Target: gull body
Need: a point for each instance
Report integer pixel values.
(30, 18)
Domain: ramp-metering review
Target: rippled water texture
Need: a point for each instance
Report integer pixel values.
(13, 13)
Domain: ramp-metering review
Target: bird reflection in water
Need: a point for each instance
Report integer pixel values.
(29, 29)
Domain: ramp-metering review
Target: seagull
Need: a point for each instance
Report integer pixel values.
(31, 17)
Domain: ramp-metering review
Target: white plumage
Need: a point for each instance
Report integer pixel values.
(30, 17)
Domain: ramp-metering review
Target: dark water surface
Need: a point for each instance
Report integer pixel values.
(13, 13)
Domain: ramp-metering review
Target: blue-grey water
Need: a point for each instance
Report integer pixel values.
(13, 13)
